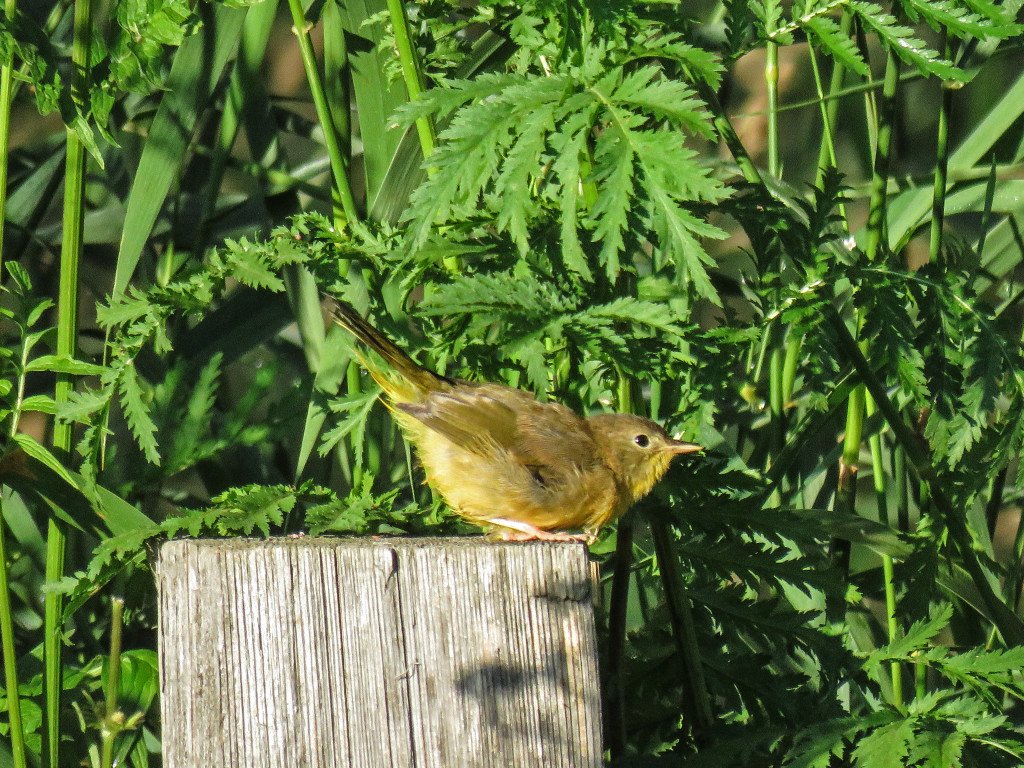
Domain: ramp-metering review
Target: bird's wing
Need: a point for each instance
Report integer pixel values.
(487, 418)
(468, 416)
(556, 438)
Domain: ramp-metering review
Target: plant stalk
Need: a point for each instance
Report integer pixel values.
(846, 496)
(339, 166)
(112, 718)
(412, 74)
(941, 167)
(876, 228)
(829, 106)
(10, 656)
(67, 343)
(10, 660)
(888, 569)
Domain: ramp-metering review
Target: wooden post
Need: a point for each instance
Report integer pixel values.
(373, 653)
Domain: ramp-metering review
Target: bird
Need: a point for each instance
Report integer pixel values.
(520, 468)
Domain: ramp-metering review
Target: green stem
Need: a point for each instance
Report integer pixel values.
(337, 75)
(888, 571)
(656, 395)
(6, 97)
(339, 166)
(902, 479)
(880, 175)
(789, 368)
(411, 73)
(67, 344)
(10, 659)
(829, 105)
(776, 395)
(775, 407)
(6, 613)
(849, 464)
(941, 167)
(113, 720)
(895, 670)
(771, 79)
(846, 497)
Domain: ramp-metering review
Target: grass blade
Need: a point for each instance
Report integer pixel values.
(194, 74)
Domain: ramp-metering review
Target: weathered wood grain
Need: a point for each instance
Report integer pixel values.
(440, 653)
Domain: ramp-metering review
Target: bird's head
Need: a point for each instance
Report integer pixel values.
(637, 450)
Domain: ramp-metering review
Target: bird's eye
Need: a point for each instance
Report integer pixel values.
(642, 440)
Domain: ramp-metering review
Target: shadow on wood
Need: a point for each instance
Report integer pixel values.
(440, 653)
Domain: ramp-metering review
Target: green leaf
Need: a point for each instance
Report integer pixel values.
(42, 454)
(885, 747)
(916, 638)
(136, 412)
(827, 32)
(523, 145)
(962, 22)
(188, 431)
(40, 403)
(900, 40)
(197, 68)
(64, 364)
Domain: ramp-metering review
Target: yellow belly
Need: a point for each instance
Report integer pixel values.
(484, 487)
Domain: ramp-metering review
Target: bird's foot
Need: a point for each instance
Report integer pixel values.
(517, 530)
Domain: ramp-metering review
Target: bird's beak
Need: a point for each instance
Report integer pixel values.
(679, 446)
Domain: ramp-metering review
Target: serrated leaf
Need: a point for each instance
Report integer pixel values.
(653, 315)
(885, 747)
(978, 661)
(828, 33)
(355, 409)
(190, 429)
(136, 413)
(899, 39)
(952, 16)
(82, 404)
(916, 637)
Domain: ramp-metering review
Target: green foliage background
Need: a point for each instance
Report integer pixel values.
(789, 231)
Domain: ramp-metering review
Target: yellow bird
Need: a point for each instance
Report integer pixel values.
(503, 460)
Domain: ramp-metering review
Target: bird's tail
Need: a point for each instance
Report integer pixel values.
(413, 379)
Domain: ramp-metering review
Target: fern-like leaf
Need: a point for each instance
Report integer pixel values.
(136, 412)
(900, 39)
(826, 32)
